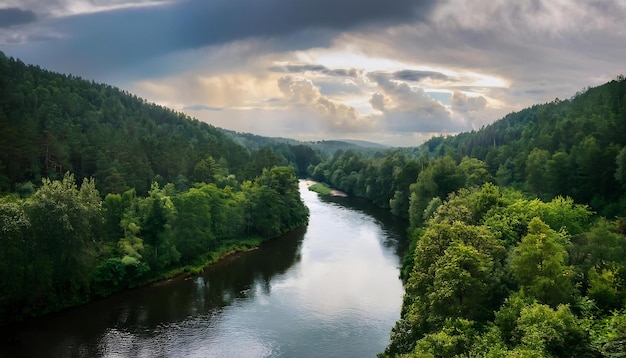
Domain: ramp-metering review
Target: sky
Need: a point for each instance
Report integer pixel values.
(395, 72)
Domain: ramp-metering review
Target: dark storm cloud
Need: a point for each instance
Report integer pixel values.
(416, 76)
(409, 76)
(14, 16)
(202, 107)
(132, 35)
(340, 72)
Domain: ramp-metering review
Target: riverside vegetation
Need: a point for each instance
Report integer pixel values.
(158, 192)
(518, 246)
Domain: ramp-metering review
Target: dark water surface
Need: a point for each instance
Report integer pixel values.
(328, 290)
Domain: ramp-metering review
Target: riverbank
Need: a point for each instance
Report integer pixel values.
(225, 252)
(323, 189)
(211, 258)
(330, 287)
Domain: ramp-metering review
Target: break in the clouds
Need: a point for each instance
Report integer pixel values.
(394, 71)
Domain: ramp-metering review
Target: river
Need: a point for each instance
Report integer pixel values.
(328, 290)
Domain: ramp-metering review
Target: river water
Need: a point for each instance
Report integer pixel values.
(328, 290)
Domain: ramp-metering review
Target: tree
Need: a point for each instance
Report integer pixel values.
(555, 332)
(400, 202)
(620, 171)
(16, 255)
(601, 246)
(206, 170)
(609, 335)
(539, 264)
(113, 208)
(535, 170)
(558, 180)
(463, 279)
(438, 180)
(158, 213)
(454, 339)
(476, 172)
(191, 231)
(64, 222)
(457, 273)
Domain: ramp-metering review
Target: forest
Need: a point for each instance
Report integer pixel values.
(518, 245)
(102, 191)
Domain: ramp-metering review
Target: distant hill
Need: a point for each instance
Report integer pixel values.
(364, 143)
(331, 146)
(574, 147)
(52, 123)
(102, 191)
(255, 142)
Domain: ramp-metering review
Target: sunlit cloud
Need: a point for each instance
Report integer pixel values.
(394, 72)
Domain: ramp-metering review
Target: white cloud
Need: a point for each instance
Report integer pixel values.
(463, 103)
(394, 81)
(405, 108)
(337, 116)
(299, 90)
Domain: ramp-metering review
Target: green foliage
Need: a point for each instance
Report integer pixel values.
(609, 335)
(192, 228)
(48, 246)
(539, 264)
(320, 188)
(476, 172)
(54, 253)
(441, 177)
(457, 273)
(606, 289)
(620, 171)
(486, 256)
(535, 168)
(64, 221)
(17, 249)
(433, 205)
(455, 338)
(108, 277)
(555, 332)
(570, 148)
(275, 202)
(62, 244)
(536, 238)
(53, 123)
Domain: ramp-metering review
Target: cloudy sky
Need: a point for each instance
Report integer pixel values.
(394, 72)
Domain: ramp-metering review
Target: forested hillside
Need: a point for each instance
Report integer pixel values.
(52, 123)
(102, 191)
(517, 229)
(573, 147)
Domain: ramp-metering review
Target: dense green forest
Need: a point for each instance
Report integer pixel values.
(103, 191)
(518, 245)
(53, 123)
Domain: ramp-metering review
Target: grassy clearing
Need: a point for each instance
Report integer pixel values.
(321, 188)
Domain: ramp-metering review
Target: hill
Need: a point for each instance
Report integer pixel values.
(574, 147)
(53, 123)
(517, 231)
(102, 191)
